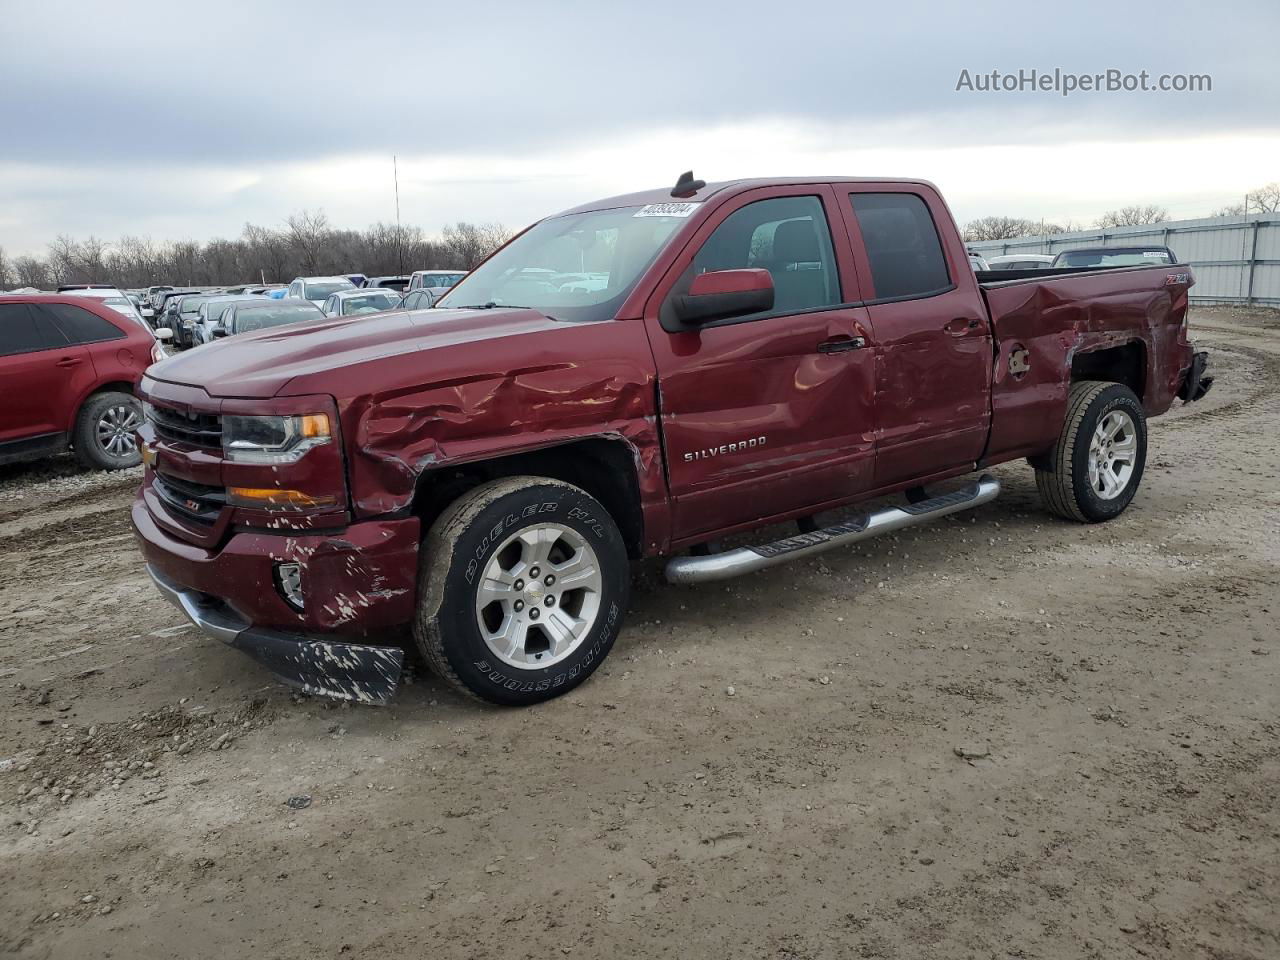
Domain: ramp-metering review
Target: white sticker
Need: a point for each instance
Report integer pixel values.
(1154, 253)
(667, 209)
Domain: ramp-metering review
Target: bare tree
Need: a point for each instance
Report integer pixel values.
(469, 243)
(309, 234)
(305, 245)
(1262, 200)
(1133, 216)
(1005, 228)
(6, 274)
(32, 273)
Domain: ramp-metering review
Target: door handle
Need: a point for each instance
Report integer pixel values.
(841, 344)
(68, 361)
(962, 325)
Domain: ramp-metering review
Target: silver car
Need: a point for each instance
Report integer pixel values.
(350, 303)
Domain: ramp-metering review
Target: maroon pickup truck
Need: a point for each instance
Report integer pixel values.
(639, 376)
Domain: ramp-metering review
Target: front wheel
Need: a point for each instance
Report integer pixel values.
(523, 584)
(1093, 471)
(105, 431)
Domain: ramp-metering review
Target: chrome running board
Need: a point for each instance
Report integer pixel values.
(733, 563)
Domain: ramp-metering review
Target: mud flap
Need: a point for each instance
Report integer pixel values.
(1196, 384)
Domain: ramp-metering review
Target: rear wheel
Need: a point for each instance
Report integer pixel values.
(1093, 471)
(523, 583)
(105, 432)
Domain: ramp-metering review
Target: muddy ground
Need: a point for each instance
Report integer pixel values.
(1115, 689)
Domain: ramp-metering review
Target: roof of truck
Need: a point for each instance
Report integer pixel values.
(728, 187)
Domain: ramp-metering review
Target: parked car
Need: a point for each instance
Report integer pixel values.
(492, 472)
(153, 297)
(438, 281)
(358, 279)
(977, 261)
(69, 366)
(166, 308)
(1020, 261)
(349, 303)
(182, 316)
(317, 289)
(248, 316)
(393, 283)
(1093, 257)
(419, 300)
(209, 314)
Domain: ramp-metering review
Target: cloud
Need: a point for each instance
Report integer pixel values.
(183, 120)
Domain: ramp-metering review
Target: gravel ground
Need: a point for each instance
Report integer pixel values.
(1001, 735)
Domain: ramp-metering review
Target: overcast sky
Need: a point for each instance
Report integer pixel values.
(185, 120)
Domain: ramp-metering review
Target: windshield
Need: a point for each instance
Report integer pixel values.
(320, 291)
(1111, 258)
(258, 318)
(576, 267)
(370, 303)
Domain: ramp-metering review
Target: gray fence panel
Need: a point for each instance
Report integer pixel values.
(1235, 259)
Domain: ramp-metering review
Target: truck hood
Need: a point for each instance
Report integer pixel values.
(261, 364)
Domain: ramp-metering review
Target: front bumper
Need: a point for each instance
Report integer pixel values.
(358, 582)
(347, 671)
(1196, 384)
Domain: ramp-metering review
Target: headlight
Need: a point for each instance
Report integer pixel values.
(273, 439)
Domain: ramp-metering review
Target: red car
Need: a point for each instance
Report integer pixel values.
(639, 376)
(68, 368)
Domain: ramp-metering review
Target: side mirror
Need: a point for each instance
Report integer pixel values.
(725, 293)
(219, 331)
(164, 333)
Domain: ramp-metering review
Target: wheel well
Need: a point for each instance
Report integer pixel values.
(603, 468)
(122, 386)
(1125, 364)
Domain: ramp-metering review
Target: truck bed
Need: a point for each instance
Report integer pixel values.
(1045, 323)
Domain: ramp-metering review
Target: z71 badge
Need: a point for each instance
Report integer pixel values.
(1172, 279)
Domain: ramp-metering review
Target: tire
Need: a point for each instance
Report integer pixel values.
(104, 435)
(1092, 473)
(490, 539)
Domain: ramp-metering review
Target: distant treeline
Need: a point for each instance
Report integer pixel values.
(305, 246)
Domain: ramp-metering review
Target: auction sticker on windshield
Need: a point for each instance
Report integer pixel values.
(667, 209)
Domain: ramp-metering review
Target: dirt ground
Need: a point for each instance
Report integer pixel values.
(1114, 691)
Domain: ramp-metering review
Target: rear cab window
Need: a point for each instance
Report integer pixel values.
(903, 246)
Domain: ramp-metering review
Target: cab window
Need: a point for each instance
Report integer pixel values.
(902, 245)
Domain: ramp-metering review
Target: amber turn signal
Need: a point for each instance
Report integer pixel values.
(275, 499)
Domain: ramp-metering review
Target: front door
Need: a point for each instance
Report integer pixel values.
(770, 413)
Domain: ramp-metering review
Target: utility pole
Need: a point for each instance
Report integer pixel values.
(395, 172)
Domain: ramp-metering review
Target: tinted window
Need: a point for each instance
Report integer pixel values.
(902, 244)
(23, 330)
(788, 236)
(79, 325)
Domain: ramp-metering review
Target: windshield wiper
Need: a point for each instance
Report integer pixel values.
(491, 305)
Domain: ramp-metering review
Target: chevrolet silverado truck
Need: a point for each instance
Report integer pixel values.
(480, 475)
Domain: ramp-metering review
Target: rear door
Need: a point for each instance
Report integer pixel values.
(42, 376)
(770, 413)
(933, 342)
